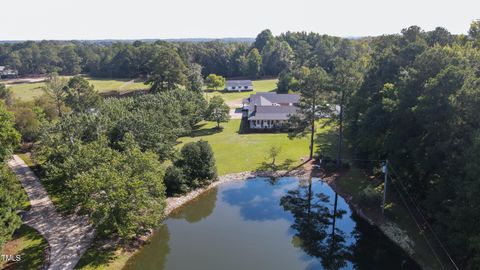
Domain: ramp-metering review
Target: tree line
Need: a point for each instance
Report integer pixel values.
(418, 107)
(267, 56)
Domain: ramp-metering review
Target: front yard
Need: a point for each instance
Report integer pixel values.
(236, 152)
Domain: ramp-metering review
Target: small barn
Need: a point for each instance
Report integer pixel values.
(239, 85)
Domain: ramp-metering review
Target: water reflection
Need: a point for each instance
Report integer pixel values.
(315, 225)
(316, 232)
(155, 256)
(260, 203)
(204, 208)
(265, 224)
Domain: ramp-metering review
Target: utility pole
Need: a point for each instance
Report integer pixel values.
(385, 173)
(340, 130)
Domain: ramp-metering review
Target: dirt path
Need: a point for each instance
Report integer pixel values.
(68, 236)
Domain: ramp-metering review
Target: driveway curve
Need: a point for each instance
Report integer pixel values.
(68, 236)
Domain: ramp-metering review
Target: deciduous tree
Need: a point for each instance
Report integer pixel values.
(254, 64)
(217, 111)
(168, 71)
(215, 81)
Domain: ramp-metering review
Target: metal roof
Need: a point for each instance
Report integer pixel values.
(271, 106)
(271, 112)
(273, 97)
(237, 83)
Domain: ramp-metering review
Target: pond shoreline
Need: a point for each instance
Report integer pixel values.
(174, 204)
(389, 229)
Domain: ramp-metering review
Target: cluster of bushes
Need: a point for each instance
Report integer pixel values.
(193, 168)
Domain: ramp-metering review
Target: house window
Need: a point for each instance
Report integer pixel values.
(233, 87)
(246, 87)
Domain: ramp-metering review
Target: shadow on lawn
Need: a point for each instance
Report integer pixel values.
(199, 131)
(96, 256)
(287, 165)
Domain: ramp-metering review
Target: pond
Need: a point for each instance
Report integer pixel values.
(269, 224)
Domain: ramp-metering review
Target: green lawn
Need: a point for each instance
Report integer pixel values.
(30, 245)
(236, 152)
(28, 91)
(258, 86)
(100, 259)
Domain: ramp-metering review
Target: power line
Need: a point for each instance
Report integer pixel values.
(419, 226)
(415, 204)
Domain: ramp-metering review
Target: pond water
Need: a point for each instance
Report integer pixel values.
(269, 224)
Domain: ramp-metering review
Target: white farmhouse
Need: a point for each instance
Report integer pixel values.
(239, 85)
(268, 110)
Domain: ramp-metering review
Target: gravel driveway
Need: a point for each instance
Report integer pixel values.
(68, 236)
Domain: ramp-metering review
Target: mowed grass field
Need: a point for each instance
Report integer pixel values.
(236, 152)
(233, 97)
(28, 91)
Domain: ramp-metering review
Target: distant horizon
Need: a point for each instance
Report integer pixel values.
(217, 19)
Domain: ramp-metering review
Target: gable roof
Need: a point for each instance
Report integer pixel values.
(237, 83)
(272, 112)
(272, 97)
(268, 106)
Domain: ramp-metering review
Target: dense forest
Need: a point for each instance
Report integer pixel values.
(267, 56)
(411, 98)
(418, 106)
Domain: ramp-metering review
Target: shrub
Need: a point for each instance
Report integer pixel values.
(176, 182)
(370, 197)
(198, 163)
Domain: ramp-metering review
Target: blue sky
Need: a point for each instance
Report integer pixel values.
(120, 19)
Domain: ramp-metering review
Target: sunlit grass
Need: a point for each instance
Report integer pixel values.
(28, 91)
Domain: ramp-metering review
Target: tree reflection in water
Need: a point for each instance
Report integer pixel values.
(200, 208)
(155, 256)
(315, 225)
